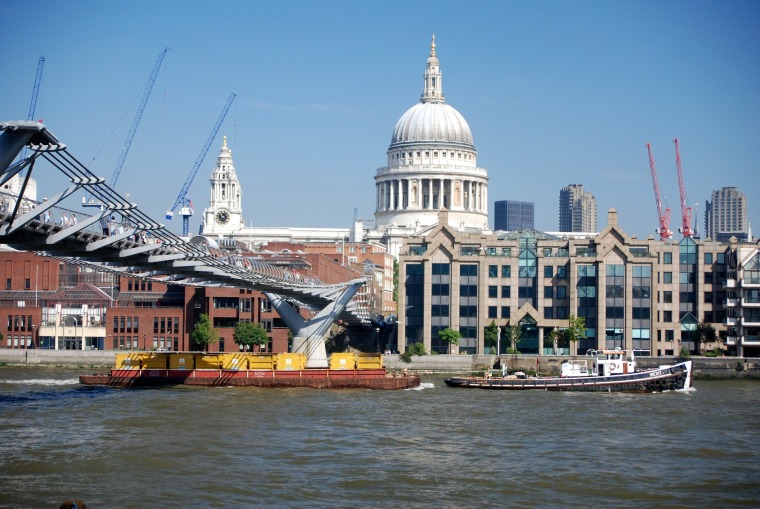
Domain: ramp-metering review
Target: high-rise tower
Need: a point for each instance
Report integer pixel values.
(577, 209)
(726, 215)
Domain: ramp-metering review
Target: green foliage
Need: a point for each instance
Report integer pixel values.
(705, 334)
(576, 329)
(715, 352)
(491, 336)
(249, 334)
(513, 333)
(685, 353)
(450, 336)
(417, 348)
(204, 334)
(395, 282)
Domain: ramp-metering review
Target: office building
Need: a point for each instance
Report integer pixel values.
(513, 215)
(577, 210)
(726, 215)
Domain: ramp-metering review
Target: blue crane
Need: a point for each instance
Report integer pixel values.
(35, 94)
(187, 210)
(132, 130)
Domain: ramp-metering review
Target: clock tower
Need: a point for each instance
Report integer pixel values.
(224, 214)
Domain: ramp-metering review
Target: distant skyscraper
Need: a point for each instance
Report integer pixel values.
(513, 215)
(577, 209)
(726, 215)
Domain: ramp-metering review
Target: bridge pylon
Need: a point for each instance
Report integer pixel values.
(309, 335)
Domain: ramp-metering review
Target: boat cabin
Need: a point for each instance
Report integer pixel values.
(604, 363)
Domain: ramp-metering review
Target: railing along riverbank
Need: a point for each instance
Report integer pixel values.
(704, 367)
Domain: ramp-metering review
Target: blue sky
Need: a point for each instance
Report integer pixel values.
(555, 92)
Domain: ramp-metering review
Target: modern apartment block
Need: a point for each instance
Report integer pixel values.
(726, 215)
(640, 294)
(512, 215)
(577, 210)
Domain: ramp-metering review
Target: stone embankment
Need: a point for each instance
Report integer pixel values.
(704, 367)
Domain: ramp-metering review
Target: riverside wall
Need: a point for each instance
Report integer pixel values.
(704, 367)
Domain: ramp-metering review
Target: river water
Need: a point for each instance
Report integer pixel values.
(429, 447)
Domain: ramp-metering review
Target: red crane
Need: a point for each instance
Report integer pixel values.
(685, 210)
(664, 217)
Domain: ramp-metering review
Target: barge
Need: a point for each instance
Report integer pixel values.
(610, 371)
(346, 371)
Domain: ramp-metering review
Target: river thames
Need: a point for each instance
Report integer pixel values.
(429, 447)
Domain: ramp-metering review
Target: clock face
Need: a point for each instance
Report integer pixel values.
(222, 217)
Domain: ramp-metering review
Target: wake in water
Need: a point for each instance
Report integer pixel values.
(43, 381)
(423, 385)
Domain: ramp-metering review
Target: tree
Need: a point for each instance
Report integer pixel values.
(491, 336)
(450, 336)
(204, 334)
(705, 334)
(513, 333)
(576, 330)
(249, 334)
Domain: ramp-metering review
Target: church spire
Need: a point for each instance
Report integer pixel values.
(433, 91)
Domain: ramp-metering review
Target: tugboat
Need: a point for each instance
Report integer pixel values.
(610, 371)
(345, 371)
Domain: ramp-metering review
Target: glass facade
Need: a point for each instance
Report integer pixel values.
(468, 307)
(587, 303)
(414, 302)
(440, 305)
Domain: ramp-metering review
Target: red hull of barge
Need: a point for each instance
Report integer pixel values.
(312, 378)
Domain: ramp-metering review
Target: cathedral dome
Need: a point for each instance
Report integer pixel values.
(435, 122)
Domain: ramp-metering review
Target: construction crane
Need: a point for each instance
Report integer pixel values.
(187, 209)
(88, 202)
(664, 217)
(35, 94)
(685, 228)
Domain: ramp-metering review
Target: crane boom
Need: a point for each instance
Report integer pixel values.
(35, 94)
(182, 196)
(36, 89)
(685, 209)
(138, 116)
(663, 216)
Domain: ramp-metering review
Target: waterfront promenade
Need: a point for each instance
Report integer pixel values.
(704, 367)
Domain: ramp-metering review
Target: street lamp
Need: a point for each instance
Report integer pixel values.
(34, 339)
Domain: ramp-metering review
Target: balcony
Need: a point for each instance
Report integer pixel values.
(750, 303)
(730, 303)
(750, 282)
(753, 340)
(751, 321)
(729, 283)
(733, 340)
(729, 321)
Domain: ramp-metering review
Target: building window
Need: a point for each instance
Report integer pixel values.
(708, 297)
(493, 292)
(548, 272)
(493, 271)
(548, 313)
(562, 272)
(667, 297)
(506, 292)
(27, 284)
(8, 283)
(667, 316)
(505, 311)
(548, 292)
(708, 258)
(492, 312)
(561, 292)
(506, 271)
(667, 258)
(547, 251)
(708, 278)
(667, 277)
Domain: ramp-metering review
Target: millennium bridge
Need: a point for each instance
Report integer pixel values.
(122, 239)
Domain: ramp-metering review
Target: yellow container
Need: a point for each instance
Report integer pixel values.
(290, 361)
(234, 361)
(207, 361)
(155, 360)
(182, 361)
(369, 361)
(131, 360)
(344, 360)
(261, 360)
